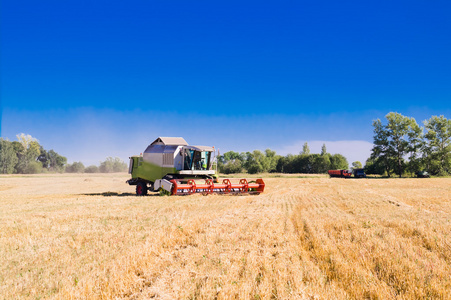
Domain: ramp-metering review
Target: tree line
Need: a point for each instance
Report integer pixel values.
(109, 165)
(403, 147)
(268, 161)
(27, 156)
(400, 147)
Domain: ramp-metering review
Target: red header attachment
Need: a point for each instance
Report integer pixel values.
(209, 187)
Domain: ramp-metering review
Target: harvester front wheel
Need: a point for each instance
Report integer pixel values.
(141, 189)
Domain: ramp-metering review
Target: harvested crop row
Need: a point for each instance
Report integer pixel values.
(84, 237)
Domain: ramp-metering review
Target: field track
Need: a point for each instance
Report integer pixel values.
(88, 237)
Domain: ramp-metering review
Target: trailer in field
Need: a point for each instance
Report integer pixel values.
(340, 173)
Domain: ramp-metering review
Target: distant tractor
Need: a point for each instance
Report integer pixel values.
(423, 174)
(340, 173)
(171, 166)
(359, 173)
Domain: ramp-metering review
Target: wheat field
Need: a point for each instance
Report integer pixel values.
(88, 237)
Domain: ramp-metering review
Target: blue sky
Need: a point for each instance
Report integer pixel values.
(92, 80)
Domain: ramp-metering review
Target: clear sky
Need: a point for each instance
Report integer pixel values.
(92, 79)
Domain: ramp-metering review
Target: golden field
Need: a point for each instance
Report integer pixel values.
(88, 237)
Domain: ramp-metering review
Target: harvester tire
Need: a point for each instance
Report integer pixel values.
(141, 189)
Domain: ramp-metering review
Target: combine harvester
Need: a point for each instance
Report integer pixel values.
(171, 166)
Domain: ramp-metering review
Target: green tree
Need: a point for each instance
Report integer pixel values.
(232, 166)
(305, 149)
(231, 162)
(111, 165)
(33, 167)
(33, 151)
(27, 150)
(231, 155)
(31, 157)
(399, 128)
(323, 150)
(8, 157)
(286, 164)
(106, 166)
(256, 162)
(44, 158)
(92, 169)
(25, 140)
(438, 145)
(415, 148)
(55, 161)
(374, 166)
(119, 165)
(321, 163)
(18, 147)
(357, 165)
(20, 153)
(303, 163)
(76, 167)
(338, 162)
(392, 142)
(381, 150)
(272, 158)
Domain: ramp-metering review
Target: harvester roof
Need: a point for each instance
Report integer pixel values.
(170, 141)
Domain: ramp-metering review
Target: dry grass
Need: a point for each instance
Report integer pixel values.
(87, 237)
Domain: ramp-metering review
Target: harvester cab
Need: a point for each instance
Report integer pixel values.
(197, 158)
(172, 166)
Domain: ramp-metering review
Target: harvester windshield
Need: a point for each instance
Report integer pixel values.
(196, 159)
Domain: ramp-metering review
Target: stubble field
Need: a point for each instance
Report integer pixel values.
(89, 237)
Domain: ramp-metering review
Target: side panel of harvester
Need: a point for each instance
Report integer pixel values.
(160, 158)
(147, 170)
